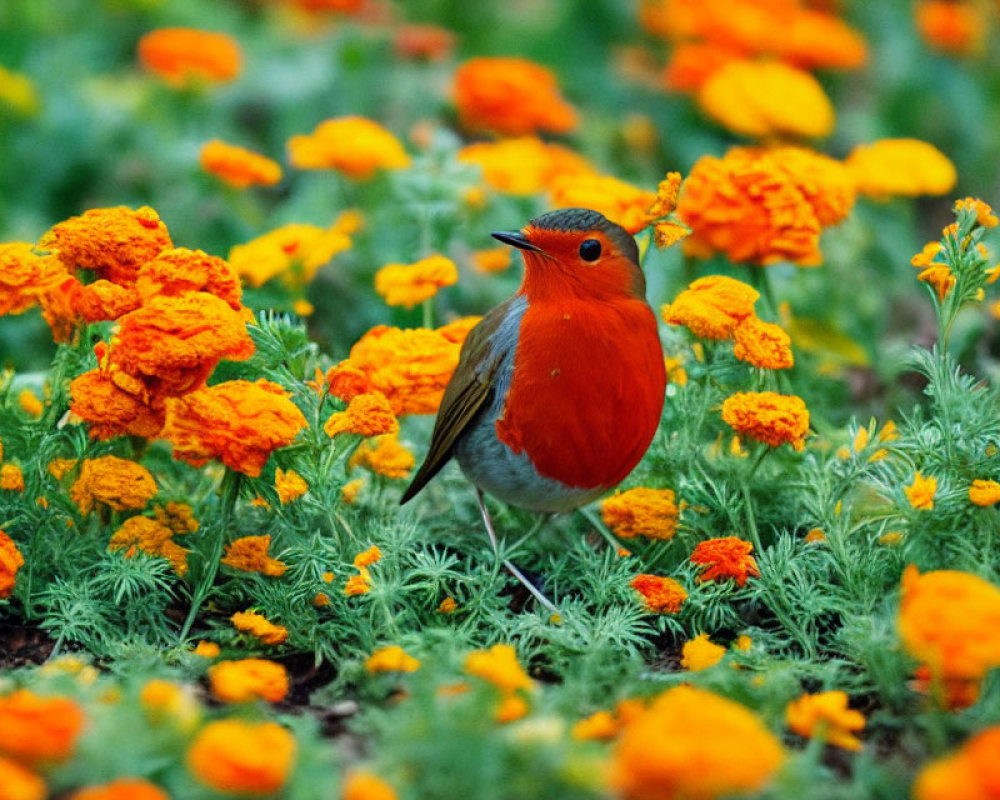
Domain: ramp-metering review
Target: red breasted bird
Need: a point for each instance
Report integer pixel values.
(558, 390)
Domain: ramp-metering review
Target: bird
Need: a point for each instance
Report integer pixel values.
(558, 390)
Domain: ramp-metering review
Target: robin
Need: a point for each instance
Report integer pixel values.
(558, 390)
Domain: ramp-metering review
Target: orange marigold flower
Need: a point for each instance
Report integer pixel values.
(724, 558)
(346, 382)
(954, 26)
(492, 259)
(238, 422)
(693, 63)
(826, 716)
(768, 417)
(248, 679)
(30, 403)
(427, 42)
(660, 595)
(384, 456)
(366, 786)
(762, 344)
(366, 415)
(20, 783)
(940, 277)
(391, 659)
(37, 729)
(447, 606)
(11, 478)
(234, 756)
(712, 307)
(257, 625)
(349, 491)
(953, 694)
(499, 666)
(969, 773)
(510, 96)
(249, 554)
(950, 621)
(701, 653)
(11, 561)
(151, 537)
(358, 584)
(692, 743)
(289, 485)
(121, 789)
(409, 285)
(207, 649)
(817, 40)
(904, 167)
(750, 208)
(24, 275)
(815, 535)
(641, 512)
(186, 56)
(984, 493)
(524, 165)
(925, 257)
(766, 98)
(512, 707)
(356, 146)
(600, 726)
(921, 492)
(620, 202)
(116, 482)
(238, 166)
(667, 234)
(175, 271)
(984, 213)
(110, 411)
(115, 242)
(294, 253)
(58, 467)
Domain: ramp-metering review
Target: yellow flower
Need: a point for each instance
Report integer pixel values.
(385, 457)
(666, 196)
(238, 166)
(31, 405)
(165, 701)
(641, 512)
(512, 707)
(150, 536)
(940, 277)
(249, 554)
(984, 214)
(599, 726)
(358, 584)
(206, 649)
(712, 307)
(257, 625)
(768, 417)
(815, 535)
(36, 729)
(289, 485)
(743, 642)
(349, 491)
(234, 756)
(724, 558)
(499, 666)
(826, 716)
(356, 146)
(921, 492)
(293, 252)
(391, 659)
(11, 478)
(701, 653)
(970, 773)
(984, 493)
(368, 557)
(906, 167)
(667, 234)
(660, 595)
(925, 257)
(366, 786)
(522, 166)
(114, 482)
(409, 285)
(248, 679)
(617, 200)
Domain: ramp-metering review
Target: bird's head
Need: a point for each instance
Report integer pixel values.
(578, 251)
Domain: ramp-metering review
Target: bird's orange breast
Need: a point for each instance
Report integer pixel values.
(587, 390)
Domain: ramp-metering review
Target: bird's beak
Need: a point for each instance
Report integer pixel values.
(516, 239)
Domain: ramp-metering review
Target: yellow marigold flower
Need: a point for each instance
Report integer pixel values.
(950, 621)
(409, 285)
(510, 96)
(905, 167)
(25, 275)
(766, 98)
(58, 467)
(30, 403)
(951, 27)
(725, 558)
(11, 561)
(366, 786)
(499, 666)
(366, 415)
(667, 234)
(984, 493)
(186, 56)
(749, 207)
(152, 537)
(984, 214)
(115, 242)
(522, 166)
(940, 277)
(238, 422)
(774, 419)
(206, 649)
(37, 729)
(512, 707)
(17, 92)
(11, 478)
(248, 679)
(969, 773)
(447, 606)
(692, 743)
(257, 625)
(925, 257)
(600, 726)
(18, 782)
(116, 482)
(349, 491)
(743, 642)
(641, 512)
(294, 253)
(701, 653)
(178, 270)
(289, 485)
(238, 166)
(234, 756)
(121, 789)
(356, 146)
(391, 659)
(168, 702)
(617, 200)
(660, 595)
(676, 373)
(762, 344)
(384, 456)
(368, 557)
(826, 716)
(249, 554)
(921, 492)
(712, 307)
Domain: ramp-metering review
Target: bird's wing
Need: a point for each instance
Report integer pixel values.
(469, 387)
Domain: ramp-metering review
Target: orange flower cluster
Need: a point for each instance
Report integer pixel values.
(189, 57)
(692, 743)
(25, 276)
(391, 659)
(524, 165)
(701, 653)
(248, 679)
(257, 625)
(768, 417)
(11, 561)
(355, 146)
(971, 773)
(153, 537)
(951, 26)
(115, 482)
(289, 485)
(900, 167)
(409, 285)
(725, 558)
(386, 456)
(827, 717)
(619, 201)
(659, 594)
(510, 96)
(238, 166)
(238, 757)
(366, 415)
(641, 512)
(37, 729)
(249, 554)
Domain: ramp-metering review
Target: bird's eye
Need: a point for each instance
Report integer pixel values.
(590, 250)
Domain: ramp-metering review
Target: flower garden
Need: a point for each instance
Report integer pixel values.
(241, 245)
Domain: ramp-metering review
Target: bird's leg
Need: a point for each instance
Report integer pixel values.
(601, 528)
(511, 568)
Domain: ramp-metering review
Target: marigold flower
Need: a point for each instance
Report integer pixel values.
(349, 491)
(984, 214)
(233, 756)
(641, 512)
(424, 42)
(257, 625)
(289, 485)
(346, 382)
(692, 743)
(366, 415)
(512, 707)
(510, 96)
(178, 270)
(701, 653)
(499, 666)
(391, 659)
(954, 26)
(620, 202)
(24, 275)
(693, 63)
(152, 537)
(356, 146)
(58, 467)
(37, 729)
(447, 606)
(984, 493)
(366, 786)
(660, 595)
(116, 482)
(293, 252)
(248, 679)
(238, 166)
(712, 307)
(492, 259)
(921, 492)
(206, 649)
(815, 535)
(953, 694)
(599, 726)
(30, 403)
(524, 165)
(165, 701)
(904, 167)
(667, 234)
(768, 417)
(186, 56)
(384, 456)
(238, 422)
(409, 285)
(358, 584)
(969, 773)
(11, 478)
(121, 789)
(762, 344)
(950, 621)
(11, 561)
(18, 782)
(826, 716)
(724, 558)
(249, 554)
(940, 277)
(110, 411)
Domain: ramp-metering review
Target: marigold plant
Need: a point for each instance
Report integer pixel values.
(259, 626)
(701, 653)
(409, 285)
(249, 554)
(152, 537)
(617, 200)
(121, 789)
(115, 482)
(391, 658)
(294, 253)
(355, 146)
(768, 417)
(19, 782)
(660, 595)
(238, 166)
(969, 773)
(641, 512)
(725, 558)
(523, 165)
(248, 679)
(235, 756)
